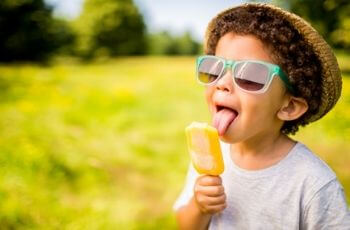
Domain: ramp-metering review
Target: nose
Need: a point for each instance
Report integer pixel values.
(225, 83)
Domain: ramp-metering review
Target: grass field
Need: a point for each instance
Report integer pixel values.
(102, 146)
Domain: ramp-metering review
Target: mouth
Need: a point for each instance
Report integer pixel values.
(218, 108)
(223, 118)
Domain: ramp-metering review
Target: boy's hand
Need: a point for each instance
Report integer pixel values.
(209, 194)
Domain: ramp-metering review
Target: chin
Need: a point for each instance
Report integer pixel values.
(229, 138)
(226, 140)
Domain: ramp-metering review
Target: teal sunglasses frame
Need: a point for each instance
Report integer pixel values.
(272, 68)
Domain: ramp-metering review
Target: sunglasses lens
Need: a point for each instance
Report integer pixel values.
(209, 70)
(251, 76)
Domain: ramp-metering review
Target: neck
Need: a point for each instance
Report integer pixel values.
(261, 152)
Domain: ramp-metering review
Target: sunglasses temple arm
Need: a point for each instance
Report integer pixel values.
(285, 79)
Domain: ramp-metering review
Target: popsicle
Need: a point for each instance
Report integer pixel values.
(204, 148)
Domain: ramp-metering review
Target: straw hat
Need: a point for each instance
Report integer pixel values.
(331, 77)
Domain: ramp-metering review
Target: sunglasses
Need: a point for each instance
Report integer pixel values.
(249, 75)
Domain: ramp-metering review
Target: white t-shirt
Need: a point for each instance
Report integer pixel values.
(299, 192)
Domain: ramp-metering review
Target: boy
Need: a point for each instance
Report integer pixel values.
(266, 73)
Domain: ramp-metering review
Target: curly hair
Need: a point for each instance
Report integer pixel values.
(288, 49)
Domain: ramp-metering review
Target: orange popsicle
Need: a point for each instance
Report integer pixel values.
(204, 148)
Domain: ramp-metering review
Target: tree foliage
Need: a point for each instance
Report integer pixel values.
(330, 17)
(163, 43)
(111, 28)
(28, 32)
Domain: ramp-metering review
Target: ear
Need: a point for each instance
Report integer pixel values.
(292, 108)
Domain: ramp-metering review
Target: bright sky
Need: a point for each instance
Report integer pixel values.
(176, 16)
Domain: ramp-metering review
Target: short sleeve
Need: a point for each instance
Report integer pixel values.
(327, 209)
(187, 191)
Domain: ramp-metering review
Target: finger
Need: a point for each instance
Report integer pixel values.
(213, 191)
(212, 209)
(216, 200)
(207, 200)
(209, 180)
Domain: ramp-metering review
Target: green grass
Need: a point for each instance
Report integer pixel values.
(101, 146)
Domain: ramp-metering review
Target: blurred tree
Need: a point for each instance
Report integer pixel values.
(185, 45)
(110, 28)
(330, 17)
(159, 43)
(28, 32)
(163, 43)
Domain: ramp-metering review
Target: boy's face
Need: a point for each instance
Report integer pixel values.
(239, 115)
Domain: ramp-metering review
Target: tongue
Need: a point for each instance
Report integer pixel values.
(222, 119)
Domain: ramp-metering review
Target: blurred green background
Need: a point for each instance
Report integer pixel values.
(93, 110)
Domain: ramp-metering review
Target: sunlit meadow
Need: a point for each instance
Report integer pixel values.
(102, 146)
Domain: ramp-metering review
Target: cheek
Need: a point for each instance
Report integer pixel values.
(258, 110)
(209, 91)
(265, 106)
